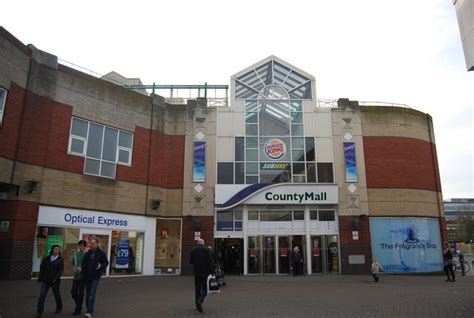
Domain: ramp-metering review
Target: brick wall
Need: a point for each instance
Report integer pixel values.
(398, 162)
(347, 224)
(203, 224)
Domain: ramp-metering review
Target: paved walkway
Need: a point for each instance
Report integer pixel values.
(260, 296)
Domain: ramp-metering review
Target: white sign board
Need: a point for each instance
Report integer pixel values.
(93, 219)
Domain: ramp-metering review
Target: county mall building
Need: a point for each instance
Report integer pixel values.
(271, 168)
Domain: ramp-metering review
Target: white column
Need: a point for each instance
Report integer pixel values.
(277, 255)
(244, 234)
(308, 239)
(149, 247)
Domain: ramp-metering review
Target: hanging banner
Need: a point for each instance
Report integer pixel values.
(350, 162)
(122, 256)
(199, 169)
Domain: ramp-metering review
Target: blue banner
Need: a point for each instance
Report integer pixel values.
(407, 245)
(199, 169)
(122, 254)
(350, 162)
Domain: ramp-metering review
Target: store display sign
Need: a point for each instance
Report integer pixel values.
(350, 162)
(199, 169)
(122, 254)
(53, 240)
(54, 216)
(407, 244)
(274, 149)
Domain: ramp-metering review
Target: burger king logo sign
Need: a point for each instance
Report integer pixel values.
(274, 149)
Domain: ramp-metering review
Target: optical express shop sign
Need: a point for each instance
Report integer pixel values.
(81, 218)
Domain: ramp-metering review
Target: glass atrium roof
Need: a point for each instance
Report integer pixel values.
(254, 84)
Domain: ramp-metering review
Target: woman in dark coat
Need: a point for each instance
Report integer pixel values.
(50, 273)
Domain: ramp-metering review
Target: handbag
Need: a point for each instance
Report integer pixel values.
(212, 285)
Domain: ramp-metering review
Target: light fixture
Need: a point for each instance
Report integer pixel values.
(155, 204)
(32, 186)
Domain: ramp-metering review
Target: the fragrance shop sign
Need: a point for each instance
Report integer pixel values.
(296, 194)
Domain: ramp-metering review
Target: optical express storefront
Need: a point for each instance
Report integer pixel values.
(128, 240)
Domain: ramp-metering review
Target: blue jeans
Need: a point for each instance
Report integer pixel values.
(200, 285)
(91, 289)
(44, 291)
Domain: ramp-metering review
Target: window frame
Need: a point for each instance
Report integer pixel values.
(101, 160)
(3, 104)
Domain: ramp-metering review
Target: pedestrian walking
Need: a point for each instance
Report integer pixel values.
(461, 260)
(296, 261)
(93, 266)
(51, 269)
(375, 268)
(448, 262)
(203, 266)
(78, 282)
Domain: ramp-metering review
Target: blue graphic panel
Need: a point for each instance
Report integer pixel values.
(350, 162)
(122, 254)
(199, 169)
(407, 245)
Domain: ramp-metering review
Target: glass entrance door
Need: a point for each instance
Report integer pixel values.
(284, 253)
(269, 255)
(103, 240)
(316, 255)
(332, 251)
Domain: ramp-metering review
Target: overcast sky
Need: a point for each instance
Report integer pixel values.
(400, 51)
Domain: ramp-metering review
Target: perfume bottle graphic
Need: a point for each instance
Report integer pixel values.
(412, 255)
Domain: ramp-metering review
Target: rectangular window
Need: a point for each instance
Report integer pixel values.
(326, 215)
(103, 147)
(309, 148)
(313, 215)
(225, 220)
(253, 215)
(239, 173)
(275, 216)
(238, 220)
(239, 148)
(311, 171)
(298, 215)
(325, 174)
(225, 173)
(3, 98)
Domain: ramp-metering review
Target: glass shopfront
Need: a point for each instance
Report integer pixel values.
(168, 246)
(121, 237)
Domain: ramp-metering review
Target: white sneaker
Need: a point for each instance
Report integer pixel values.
(88, 315)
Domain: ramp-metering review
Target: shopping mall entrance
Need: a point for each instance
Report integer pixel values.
(229, 255)
(271, 254)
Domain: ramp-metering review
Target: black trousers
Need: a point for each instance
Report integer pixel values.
(296, 269)
(77, 293)
(200, 285)
(448, 268)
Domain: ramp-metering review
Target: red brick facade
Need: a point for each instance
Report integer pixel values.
(398, 162)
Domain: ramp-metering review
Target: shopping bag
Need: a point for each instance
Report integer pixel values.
(212, 285)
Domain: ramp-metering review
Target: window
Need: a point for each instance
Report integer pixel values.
(253, 216)
(3, 98)
(275, 216)
(326, 215)
(298, 215)
(313, 215)
(103, 147)
(325, 174)
(229, 220)
(225, 173)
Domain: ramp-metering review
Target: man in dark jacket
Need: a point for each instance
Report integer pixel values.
(203, 265)
(93, 266)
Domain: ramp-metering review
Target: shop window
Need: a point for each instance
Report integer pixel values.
(46, 237)
(225, 220)
(3, 98)
(239, 148)
(326, 215)
(239, 173)
(225, 173)
(126, 254)
(298, 215)
(253, 215)
(103, 147)
(168, 246)
(325, 173)
(275, 216)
